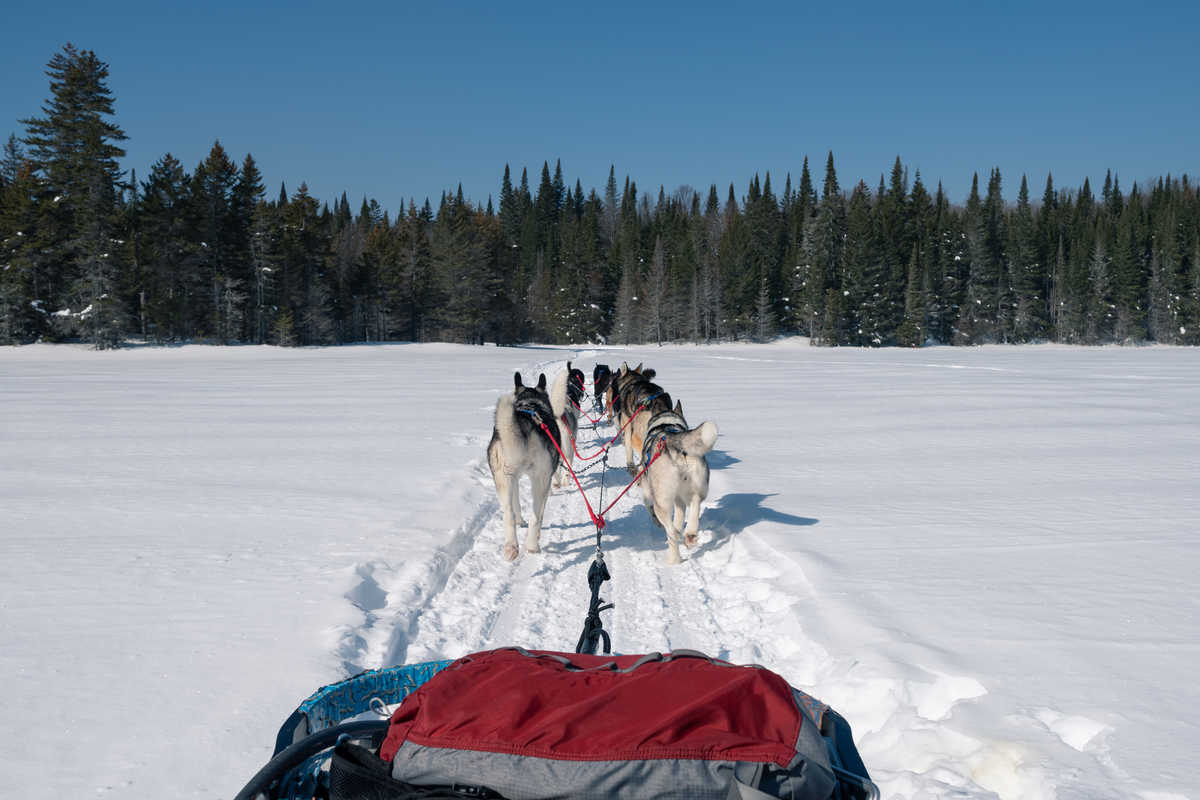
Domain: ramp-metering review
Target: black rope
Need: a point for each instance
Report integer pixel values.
(593, 627)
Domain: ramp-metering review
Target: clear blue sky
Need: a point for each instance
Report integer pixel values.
(397, 100)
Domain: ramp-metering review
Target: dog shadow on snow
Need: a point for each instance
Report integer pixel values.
(735, 512)
(732, 514)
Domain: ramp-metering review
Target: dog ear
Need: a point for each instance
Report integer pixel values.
(568, 367)
(638, 368)
(696, 442)
(624, 369)
(649, 374)
(516, 380)
(679, 408)
(542, 382)
(603, 381)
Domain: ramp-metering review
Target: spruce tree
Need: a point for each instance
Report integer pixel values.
(74, 153)
(215, 281)
(248, 193)
(947, 265)
(20, 319)
(1100, 312)
(169, 250)
(913, 328)
(1028, 272)
(12, 159)
(863, 273)
(611, 209)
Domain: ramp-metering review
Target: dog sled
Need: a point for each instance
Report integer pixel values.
(512, 724)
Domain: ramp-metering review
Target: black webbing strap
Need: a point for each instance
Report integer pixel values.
(593, 626)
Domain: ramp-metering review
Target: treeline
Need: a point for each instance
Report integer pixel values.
(178, 256)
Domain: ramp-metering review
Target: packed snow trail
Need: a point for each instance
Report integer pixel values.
(733, 597)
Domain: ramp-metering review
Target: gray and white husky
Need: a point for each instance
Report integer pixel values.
(520, 446)
(675, 484)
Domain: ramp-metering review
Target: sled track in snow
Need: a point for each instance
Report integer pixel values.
(733, 597)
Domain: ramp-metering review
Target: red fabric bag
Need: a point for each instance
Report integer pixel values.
(535, 725)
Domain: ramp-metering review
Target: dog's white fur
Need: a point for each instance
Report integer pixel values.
(520, 455)
(677, 482)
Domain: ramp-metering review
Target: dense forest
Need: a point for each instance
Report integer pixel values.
(89, 252)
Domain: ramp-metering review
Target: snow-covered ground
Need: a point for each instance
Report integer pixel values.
(985, 558)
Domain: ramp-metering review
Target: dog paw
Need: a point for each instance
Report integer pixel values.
(511, 552)
(691, 539)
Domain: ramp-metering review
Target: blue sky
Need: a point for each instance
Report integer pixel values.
(399, 100)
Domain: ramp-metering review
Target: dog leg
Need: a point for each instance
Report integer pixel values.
(541, 490)
(667, 515)
(563, 473)
(692, 534)
(506, 488)
(514, 500)
(627, 443)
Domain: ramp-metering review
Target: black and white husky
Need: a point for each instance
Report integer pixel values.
(520, 446)
(601, 375)
(567, 393)
(675, 484)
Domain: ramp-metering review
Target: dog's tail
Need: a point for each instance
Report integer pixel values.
(696, 442)
(506, 424)
(558, 394)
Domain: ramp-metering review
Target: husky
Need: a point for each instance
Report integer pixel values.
(601, 375)
(676, 482)
(638, 401)
(520, 446)
(622, 378)
(566, 393)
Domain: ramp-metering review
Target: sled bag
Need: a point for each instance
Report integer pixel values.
(534, 725)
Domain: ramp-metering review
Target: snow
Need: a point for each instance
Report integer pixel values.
(983, 557)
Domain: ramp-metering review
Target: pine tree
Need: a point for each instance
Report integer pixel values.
(913, 328)
(12, 159)
(73, 151)
(1131, 270)
(611, 209)
(655, 291)
(248, 193)
(818, 284)
(1028, 272)
(712, 229)
(19, 317)
(764, 317)
(863, 273)
(1101, 311)
(168, 249)
(976, 322)
(212, 193)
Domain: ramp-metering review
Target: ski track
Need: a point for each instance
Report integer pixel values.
(733, 597)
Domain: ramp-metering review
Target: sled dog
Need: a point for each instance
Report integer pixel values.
(622, 378)
(639, 401)
(601, 375)
(566, 393)
(676, 482)
(519, 447)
